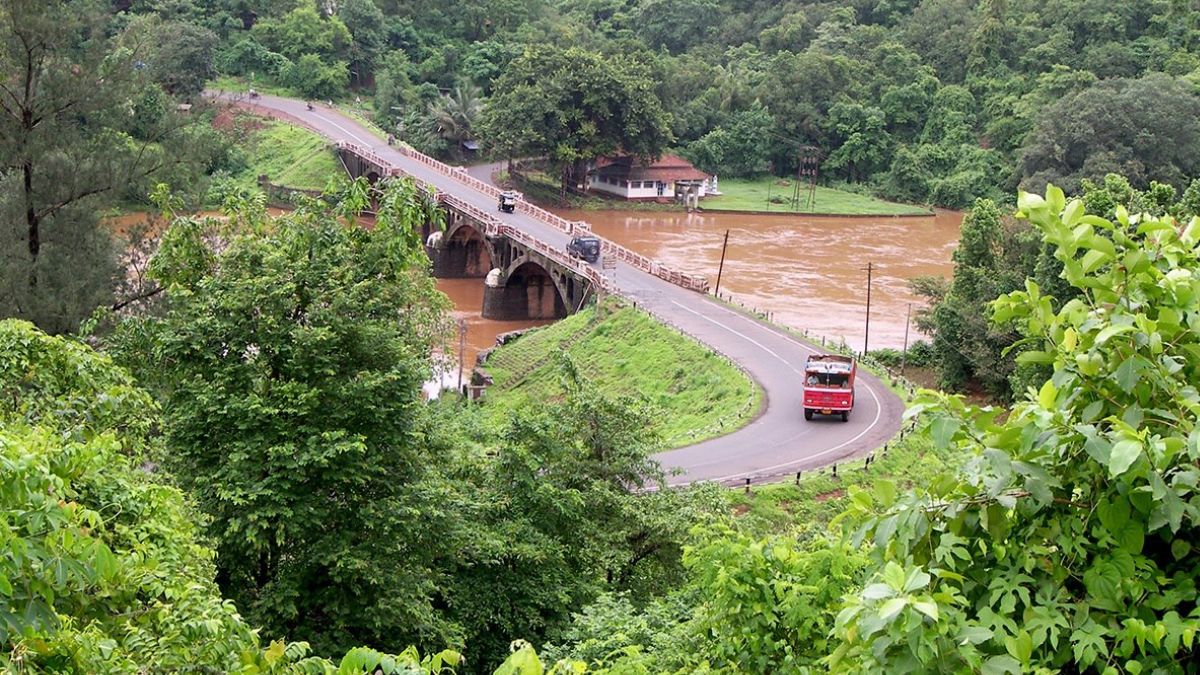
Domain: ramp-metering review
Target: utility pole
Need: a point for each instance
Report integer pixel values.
(812, 186)
(462, 343)
(800, 171)
(904, 354)
(721, 268)
(867, 331)
(810, 160)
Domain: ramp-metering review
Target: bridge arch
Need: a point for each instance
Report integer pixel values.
(466, 252)
(530, 291)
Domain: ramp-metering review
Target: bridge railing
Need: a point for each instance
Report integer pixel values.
(579, 267)
(693, 282)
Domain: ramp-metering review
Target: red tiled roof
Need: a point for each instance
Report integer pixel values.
(666, 168)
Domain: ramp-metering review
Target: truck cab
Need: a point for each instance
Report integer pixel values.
(829, 386)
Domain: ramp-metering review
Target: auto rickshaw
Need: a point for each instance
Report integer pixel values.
(508, 201)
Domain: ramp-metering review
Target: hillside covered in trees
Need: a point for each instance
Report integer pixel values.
(229, 468)
(933, 101)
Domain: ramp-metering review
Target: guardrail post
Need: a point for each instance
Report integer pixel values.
(797, 478)
(747, 485)
(835, 470)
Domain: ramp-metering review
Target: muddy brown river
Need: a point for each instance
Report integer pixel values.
(809, 272)
(467, 296)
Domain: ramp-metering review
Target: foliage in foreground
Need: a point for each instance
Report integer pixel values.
(103, 570)
(1064, 542)
(1067, 540)
(996, 254)
(288, 356)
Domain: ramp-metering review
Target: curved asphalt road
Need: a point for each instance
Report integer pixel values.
(779, 441)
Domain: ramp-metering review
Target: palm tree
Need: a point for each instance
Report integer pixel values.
(454, 115)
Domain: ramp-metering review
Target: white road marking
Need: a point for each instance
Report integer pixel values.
(745, 337)
(869, 388)
(344, 130)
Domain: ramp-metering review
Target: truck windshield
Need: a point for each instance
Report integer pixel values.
(838, 380)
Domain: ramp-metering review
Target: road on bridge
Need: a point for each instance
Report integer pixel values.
(779, 441)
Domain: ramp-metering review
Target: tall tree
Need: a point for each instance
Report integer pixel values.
(290, 362)
(994, 256)
(454, 115)
(368, 34)
(573, 106)
(66, 109)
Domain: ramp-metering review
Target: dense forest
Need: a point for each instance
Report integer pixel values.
(214, 455)
(940, 101)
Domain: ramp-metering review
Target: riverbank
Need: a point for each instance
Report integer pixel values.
(625, 352)
(762, 196)
(771, 194)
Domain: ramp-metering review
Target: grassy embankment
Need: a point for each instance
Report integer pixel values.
(699, 394)
(808, 508)
(752, 195)
(288, 156)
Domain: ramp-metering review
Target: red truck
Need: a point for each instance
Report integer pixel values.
(829, 385)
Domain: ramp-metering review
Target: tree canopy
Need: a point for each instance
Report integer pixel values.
(314, 335)
(574, 106)
(105, 569)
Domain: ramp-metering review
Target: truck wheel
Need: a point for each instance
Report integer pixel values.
(808, 414)
(845, 415)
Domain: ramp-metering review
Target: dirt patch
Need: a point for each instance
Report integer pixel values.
(229, 118)
(832, 494)
(741, 510)
(138, 223)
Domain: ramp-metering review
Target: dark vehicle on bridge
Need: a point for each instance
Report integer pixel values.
(585, 246)
(508, 201)
(829, 385)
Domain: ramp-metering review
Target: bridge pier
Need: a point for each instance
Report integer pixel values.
(531, 296)
(461, 253)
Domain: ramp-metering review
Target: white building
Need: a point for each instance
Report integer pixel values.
(666, 179)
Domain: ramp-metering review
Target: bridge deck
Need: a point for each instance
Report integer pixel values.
(779, 441)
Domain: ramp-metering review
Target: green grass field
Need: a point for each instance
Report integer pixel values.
(752, 194)
(628, 352)
(289, 156)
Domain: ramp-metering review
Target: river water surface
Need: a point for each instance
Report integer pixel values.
(467, 296)
(809, 272)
